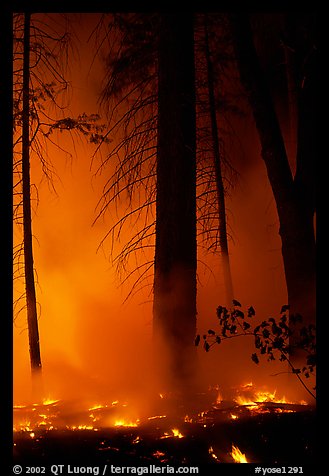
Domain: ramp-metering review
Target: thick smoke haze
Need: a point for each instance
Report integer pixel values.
(92, 345)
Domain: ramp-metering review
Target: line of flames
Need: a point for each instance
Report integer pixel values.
(254, 403)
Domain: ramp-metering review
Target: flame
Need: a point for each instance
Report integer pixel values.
(128, 424)
(237, 455)
(174, 433)
(261, 396)
(177, 433)
(40, 417)
(245, 401)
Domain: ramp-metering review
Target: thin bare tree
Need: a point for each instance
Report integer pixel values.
(40, 53)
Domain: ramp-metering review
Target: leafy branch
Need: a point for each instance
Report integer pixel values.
(271, 337)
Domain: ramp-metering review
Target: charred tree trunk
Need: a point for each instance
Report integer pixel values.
(175, 252)
(294, 196)
(32, 318)
(223, 242)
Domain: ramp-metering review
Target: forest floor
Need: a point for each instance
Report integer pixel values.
(267, 433)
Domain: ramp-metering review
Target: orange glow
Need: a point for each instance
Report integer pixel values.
(219, 398)
(234, 417)
(237, 455)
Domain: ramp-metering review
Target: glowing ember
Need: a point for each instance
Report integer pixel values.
(42, 423)
(237, 455)
(23, 426)
(81, 427)
(160, 455)
(156, 417)
(212, 454)
(234, 417)
(49, 401)
(32, 435)
(175, 433)
(97, 407)
(92, 416)
(187, 419)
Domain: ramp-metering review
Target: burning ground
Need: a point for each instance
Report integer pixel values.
(254, 426)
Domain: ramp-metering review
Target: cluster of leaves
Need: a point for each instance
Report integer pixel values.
(271, 337)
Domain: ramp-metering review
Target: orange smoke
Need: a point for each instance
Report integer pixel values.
(94, 347)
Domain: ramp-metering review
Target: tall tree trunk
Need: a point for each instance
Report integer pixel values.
(175, 252)
(228, 283)
(292, 106)
(294, 197)
(32, 318)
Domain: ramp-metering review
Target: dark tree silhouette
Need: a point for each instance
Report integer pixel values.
(294, 196)
(39, 62)
(175, 242)
(31, 302)
(150, 157)
(223, 235)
